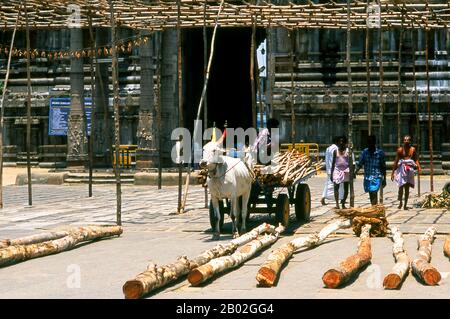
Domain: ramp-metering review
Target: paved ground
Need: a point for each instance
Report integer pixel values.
(154, 233)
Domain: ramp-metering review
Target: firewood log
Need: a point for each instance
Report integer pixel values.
(269, 271)
(33, 239)
(421, 264)
(155, 277)
(447, 246)
(379, 225)
(373, 211)
(218, 265)
(336, 277)
(17, 253)
(401, 269)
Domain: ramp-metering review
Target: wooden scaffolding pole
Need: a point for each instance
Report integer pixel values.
(181, 201)
(205, 65)
(159, 106)
(430, 122)
(399, 102)
(93, 106)
(252, 74)
(28, 55)
(291, 56)
(381, 84)
(115, 81)
(369, 93)
(2, 106)
(350, 104)
(205, 87)
(416, 102)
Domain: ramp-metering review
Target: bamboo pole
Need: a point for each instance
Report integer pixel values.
(205, 84)
(2, 111)
(291, 57)
(416, 102)
(369, 93)
(350, 105)
(399, 102)
(381, 84)
(430, 122)
(28, 138)
(252, 74)
(205, 65)
(159, 107)
(270, 69)
(115, 81)
(93, 113)
(93, 106)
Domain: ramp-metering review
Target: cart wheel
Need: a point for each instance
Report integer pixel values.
(303, 203)
(212, 216)
(282, 212)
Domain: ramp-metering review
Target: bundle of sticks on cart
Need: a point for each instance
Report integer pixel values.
(286, 169)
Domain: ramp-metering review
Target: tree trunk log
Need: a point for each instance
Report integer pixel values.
(33, 239)
(18, 253)
(447, 246)
(155, 277)
(401, 269)
(334, 278)
(421, 265)
(218, 265)
(269, 271)
(375, 211)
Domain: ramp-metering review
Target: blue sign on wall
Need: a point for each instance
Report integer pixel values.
(58, 116)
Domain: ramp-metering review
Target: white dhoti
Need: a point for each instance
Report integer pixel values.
(328, 190)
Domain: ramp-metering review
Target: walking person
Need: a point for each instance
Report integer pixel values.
(373, 160)
(406, 161)
(340, 170)
(328, 189)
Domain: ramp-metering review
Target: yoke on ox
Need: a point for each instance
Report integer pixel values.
(228, 178)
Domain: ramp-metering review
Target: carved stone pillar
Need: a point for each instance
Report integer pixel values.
(146, 154)
(76, 137)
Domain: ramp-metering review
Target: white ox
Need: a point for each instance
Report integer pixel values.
(231, 178)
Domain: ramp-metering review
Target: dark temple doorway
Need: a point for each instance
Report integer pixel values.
(229, 89)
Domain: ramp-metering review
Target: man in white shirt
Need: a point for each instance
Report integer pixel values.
(328, 190)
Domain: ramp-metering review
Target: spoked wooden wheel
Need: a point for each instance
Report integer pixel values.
(282, 211)
(303, 203)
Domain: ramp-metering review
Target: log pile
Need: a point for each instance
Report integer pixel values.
(338, 276)
(289, 168)
(218, 265)
(401, 268)
(441, 200)
(158, 276)
(269, 271)
(421, 264)
(447, 246)
(374, 215)
(52, 243)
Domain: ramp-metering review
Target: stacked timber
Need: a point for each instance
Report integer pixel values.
(374, 215)
(287, 168)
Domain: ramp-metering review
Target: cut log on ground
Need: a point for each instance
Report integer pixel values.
(336, 277)
(379, 225)
(269, 271)
(18, 253)
(421, 265)
(447, 246)
(376, 211)
(218, 265)
(33, 239)
(401, 268)
(156, 277)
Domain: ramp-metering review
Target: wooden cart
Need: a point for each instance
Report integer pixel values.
(298, 194)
